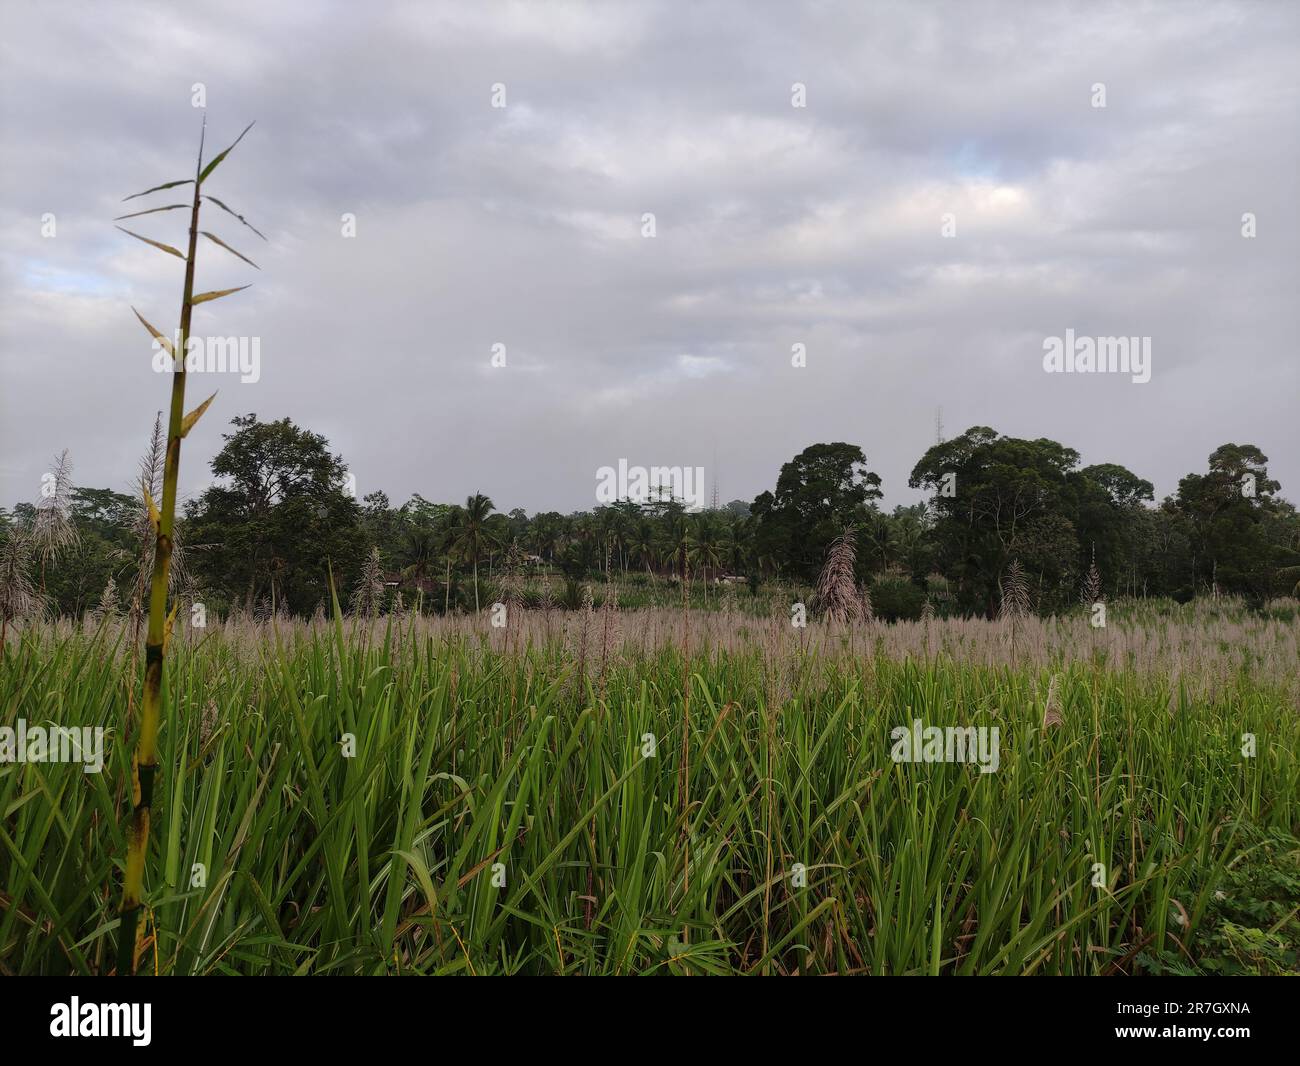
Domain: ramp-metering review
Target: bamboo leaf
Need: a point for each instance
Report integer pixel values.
(187, 423)
(157, 244)
(158, 188)
(155, 519)
(167, 626)
(151, 211)
(237, 215)
(217, 240)
(216, 294)
(166, 344)
(222, 155)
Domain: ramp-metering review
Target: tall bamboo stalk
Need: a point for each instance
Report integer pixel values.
(144, 765)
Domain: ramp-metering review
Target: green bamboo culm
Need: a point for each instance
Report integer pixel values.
(144, 765)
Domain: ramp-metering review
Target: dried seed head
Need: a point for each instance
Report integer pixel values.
(54, 532)
(368, 594)
(1052, 709)
(107, 608)
(208, 722)
(19, 596)
(837, 594)
(1015, 593)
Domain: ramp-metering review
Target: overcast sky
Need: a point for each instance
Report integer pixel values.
(775, 225)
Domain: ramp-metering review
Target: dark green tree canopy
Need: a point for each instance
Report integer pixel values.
(281, 516)
(279, 519)
(998, 499)
(819, 493)
(1231, 515)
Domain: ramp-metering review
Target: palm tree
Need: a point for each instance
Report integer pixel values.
(545, 533)
(495, 537)
(448, 523)
(622, 521)
(606, 529)
(881, 540)
(910, 530)
(641, 544)
(677, 541)
(705, 551)
(419, 550)
(737, 544)
(473, 533)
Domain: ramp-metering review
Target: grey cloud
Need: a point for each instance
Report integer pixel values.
(775, 225)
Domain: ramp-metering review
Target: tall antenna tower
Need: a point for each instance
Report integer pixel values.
(938, 425)
(714, 479)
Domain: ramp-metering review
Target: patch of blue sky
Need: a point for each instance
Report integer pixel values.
(972, 161)
(47, 277)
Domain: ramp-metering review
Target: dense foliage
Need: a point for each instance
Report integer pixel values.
(280, 518)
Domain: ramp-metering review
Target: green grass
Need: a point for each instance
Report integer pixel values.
(468, 754)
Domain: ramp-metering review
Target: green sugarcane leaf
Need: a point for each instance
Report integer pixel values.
(222, 155)
(216, 294)
(166, 344)
(158, 188)
(187, 423)
(157, 244)
(237, 215)
(151, 211)
(217, 240)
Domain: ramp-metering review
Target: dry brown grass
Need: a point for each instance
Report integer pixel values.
(1202, 647)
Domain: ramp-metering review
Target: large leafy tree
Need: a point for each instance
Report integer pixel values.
(1229, 511)
(1110, 521)
(278, 518)
(101, 548)
(385, 527)
(823, 489)
(1002, 498)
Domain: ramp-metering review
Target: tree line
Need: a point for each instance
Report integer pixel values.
(279, 523)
